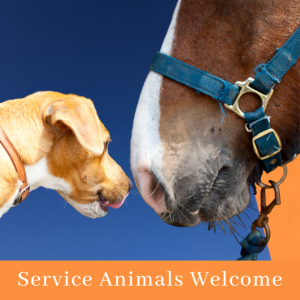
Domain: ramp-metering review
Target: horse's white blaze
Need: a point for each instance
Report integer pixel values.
(167, 45)
(146, 147)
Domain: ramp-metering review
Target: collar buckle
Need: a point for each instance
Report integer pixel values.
(19, 198)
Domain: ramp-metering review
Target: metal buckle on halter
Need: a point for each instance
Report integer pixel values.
(261, 135)
(245, 88)
(19, 197)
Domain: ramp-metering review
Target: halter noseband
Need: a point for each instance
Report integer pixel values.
(266, 142)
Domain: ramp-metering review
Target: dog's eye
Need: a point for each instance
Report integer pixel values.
(106, 144)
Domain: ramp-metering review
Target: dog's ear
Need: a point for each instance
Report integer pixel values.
(79, 115)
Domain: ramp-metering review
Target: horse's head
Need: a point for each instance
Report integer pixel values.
(191, 158)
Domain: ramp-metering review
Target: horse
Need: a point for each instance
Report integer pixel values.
(191, 158)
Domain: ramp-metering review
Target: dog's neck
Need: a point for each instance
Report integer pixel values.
(38, 175)
(22, 121)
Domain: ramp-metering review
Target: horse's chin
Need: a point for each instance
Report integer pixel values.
(216, 208)
(213, 208)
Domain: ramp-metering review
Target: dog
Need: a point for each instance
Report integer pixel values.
(63, 146)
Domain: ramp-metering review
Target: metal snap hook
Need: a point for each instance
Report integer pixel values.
(266, 186)
(268, 232)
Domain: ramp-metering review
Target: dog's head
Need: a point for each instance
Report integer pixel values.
(86, 176)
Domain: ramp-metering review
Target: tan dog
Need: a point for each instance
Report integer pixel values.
(64, 146)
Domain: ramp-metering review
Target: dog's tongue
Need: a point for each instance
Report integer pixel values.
(117, 205)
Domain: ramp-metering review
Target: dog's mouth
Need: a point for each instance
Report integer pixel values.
(97, 209)
(104, 204)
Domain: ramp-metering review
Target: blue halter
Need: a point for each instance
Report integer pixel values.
(266, 142)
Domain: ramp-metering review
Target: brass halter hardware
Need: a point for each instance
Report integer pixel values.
(268, 131)
(244, 89)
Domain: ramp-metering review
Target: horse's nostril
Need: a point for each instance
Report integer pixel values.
(151, 190)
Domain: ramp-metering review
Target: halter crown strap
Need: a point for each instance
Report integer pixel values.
(266, 142)
(18, 164)
(272, 72)
(269, 75)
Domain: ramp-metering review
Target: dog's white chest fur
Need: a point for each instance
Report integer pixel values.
(39, 175)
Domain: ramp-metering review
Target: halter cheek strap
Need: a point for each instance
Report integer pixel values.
(19, 166)
(266, 142)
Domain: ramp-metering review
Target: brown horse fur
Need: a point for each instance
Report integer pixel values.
(198, 168)
(227, 39)
(230, 38)
(65, 132)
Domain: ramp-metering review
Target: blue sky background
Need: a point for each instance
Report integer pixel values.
(100, 49)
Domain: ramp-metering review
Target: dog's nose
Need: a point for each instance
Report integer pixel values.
(130, 185)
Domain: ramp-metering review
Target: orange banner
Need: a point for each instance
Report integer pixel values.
(284, 220)
(147, 280)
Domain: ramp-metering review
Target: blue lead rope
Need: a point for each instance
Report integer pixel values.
(224, 91)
